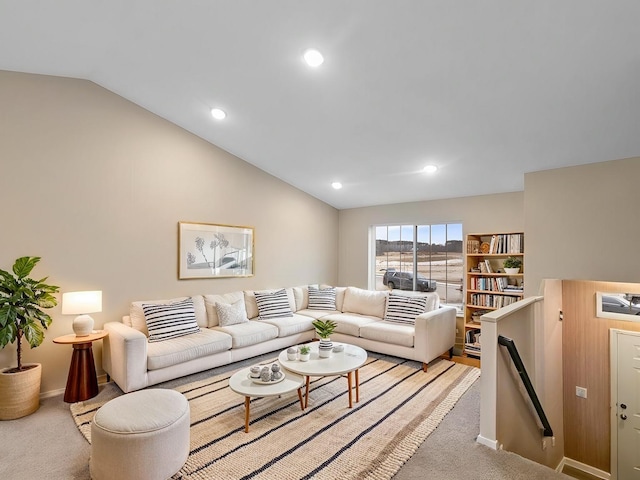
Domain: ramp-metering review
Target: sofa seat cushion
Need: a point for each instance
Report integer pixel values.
(249, 333)
(182, 349)
(350, 323)
(290, 325)
(389, 332)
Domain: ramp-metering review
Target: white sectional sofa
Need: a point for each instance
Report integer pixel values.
(135, 355)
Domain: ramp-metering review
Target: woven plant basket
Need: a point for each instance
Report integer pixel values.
(20, 392)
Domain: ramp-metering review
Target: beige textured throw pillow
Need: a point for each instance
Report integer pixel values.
(231, 313)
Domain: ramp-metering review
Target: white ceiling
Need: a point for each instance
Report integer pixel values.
(487, 90)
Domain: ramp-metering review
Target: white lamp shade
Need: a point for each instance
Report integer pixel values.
(81, 303)
(77, 303)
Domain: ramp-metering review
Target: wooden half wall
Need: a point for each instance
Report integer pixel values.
(586, 363)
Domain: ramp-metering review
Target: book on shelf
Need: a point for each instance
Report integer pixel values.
(487, 264)
(507, 243)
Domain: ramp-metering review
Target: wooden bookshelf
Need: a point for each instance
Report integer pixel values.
(488, 286)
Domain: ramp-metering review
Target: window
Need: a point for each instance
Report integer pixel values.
(419, 258)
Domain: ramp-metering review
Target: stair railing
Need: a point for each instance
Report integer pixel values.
(510, 345)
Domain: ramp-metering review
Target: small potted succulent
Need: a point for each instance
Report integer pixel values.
(324, 329)
(305, 353)
(512, 265)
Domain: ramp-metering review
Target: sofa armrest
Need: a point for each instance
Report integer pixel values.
(435, 333)
(125, 356)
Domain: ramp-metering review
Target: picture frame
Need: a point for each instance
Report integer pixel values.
(207, 250)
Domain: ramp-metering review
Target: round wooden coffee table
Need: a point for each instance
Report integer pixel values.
(339, 363)
(240, 383)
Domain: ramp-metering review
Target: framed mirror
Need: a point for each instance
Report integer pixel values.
(618, 306)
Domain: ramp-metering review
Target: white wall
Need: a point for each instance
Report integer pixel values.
(96, 186)
(582, 223)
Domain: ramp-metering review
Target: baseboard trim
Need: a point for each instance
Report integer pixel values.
(60, 391)
(583, 467)
(493, 444)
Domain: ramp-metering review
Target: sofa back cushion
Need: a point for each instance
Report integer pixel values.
(210, 305)
(136, 314)
(252, 306)
(364, 302)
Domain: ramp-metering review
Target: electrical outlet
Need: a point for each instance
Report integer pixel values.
(581, 392)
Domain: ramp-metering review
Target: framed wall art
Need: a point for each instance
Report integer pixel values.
(208, 250)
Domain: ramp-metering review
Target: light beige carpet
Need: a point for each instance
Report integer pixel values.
(399, 407)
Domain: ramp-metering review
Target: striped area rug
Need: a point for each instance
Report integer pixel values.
(399, 407)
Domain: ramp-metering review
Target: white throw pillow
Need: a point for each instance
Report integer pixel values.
(231, 313)
(211, 300)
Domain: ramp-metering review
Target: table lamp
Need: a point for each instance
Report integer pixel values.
(82, 303)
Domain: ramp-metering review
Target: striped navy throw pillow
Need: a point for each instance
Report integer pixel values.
(273, 304)
(404, 309)
(322, 299)
(170, 320)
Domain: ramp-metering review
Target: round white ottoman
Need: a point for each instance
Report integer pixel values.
(140, 435)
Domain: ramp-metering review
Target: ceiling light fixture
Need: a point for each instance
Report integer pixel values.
(218, 113)
(313, 57)
(336, 185)
(430, 169)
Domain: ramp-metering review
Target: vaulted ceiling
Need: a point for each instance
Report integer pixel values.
(484, 90)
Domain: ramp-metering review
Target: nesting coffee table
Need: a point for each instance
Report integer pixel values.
(339, 363)
(240, 383)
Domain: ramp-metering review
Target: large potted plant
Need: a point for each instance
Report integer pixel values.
(21, 302)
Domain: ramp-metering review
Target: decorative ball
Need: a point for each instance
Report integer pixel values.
(275, 367)
(276, 376)
(265, 376)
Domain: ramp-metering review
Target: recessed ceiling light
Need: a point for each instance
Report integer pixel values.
(313, 57)
(218, 113)
(430, 169)
(336, 185)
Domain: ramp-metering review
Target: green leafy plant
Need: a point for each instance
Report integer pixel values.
(324, 328)
(512, 262)
(304, 350)
(21, 301)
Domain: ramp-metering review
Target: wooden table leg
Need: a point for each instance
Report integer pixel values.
(306, 394)
(357, 385)
(300, 397)
(350, 386)
(82, 382)
(247, 403)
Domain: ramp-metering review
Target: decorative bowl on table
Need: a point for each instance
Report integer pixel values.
(267, 374)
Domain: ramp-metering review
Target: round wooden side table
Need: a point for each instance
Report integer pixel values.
(82, 382)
